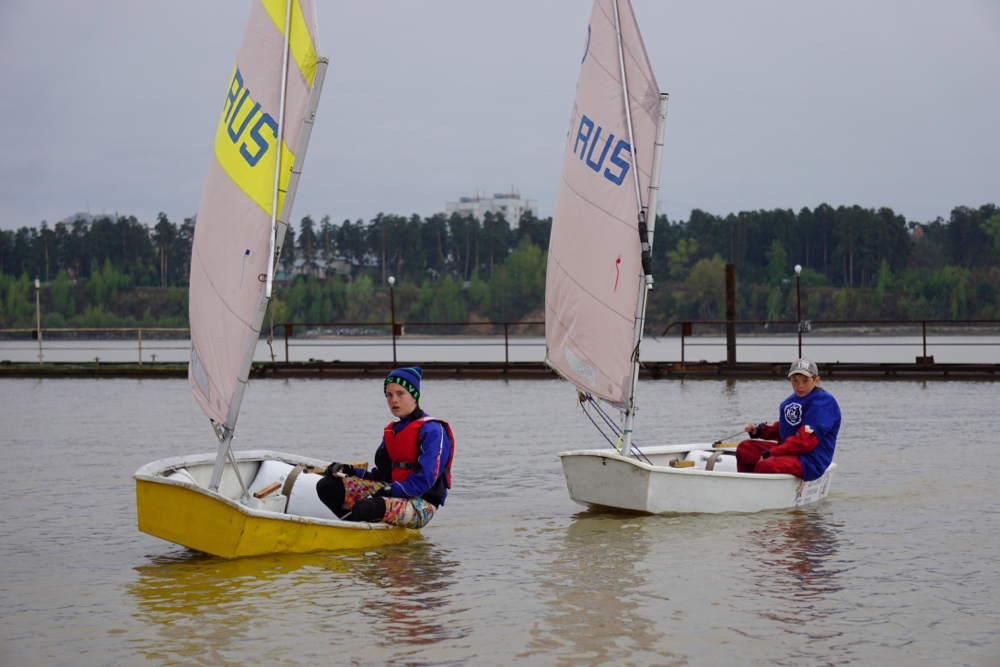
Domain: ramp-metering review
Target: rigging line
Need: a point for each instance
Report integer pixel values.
(610, 424)
(376, 531)
(607, 417)
(599, 429)
(609, 421)
(376, 534)
(638, 451)
(721, 440)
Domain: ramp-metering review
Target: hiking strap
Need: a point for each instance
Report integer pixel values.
(286, 490)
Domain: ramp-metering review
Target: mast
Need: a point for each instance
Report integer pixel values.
(227, 430)
(272, 251)
(644, 285)
(628, 108)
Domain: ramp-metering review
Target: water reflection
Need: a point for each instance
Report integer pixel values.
(795, 565)
(595, 592)
(411, 583)
(198, 607)
(205, 610)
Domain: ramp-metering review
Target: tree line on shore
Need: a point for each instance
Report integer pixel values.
(857, 264)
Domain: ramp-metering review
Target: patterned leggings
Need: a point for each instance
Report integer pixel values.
(408, 512)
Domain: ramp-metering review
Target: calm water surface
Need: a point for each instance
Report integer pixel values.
(897, 566)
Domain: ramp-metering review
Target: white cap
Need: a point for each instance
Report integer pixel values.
(803, 367)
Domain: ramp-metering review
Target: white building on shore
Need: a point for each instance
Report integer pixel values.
(508, 204)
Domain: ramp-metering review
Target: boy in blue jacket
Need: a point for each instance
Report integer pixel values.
(802, 441)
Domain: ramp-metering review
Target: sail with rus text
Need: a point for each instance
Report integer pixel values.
(594, 266)
(261, 118)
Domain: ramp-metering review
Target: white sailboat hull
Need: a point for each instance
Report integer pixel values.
(603, 478)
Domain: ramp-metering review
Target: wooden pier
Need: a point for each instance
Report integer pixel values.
(920, 370)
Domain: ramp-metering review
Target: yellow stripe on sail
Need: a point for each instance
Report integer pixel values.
(244, 146)
(300, 45)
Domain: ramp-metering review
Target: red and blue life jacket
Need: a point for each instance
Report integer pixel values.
(404, 450)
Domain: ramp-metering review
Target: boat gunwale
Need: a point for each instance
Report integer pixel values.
(671, 449)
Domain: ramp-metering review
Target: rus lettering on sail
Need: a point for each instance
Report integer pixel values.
(588, 141)
(242, 112)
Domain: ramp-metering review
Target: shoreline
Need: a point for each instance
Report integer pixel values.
(888, 330)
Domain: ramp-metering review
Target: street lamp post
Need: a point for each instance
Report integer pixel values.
(392, 311)
(798, 302)
(38, 317)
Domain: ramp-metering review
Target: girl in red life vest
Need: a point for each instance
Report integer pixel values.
(412, 472)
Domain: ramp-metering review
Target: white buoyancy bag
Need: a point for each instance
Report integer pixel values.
(303, 499)
(712, 460)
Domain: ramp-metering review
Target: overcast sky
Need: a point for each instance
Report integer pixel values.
(110, 106)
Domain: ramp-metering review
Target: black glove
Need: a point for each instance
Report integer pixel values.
(342, 468)
(764, 454)
(385, 491)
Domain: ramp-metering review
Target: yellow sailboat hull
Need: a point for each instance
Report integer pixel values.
(192, 516)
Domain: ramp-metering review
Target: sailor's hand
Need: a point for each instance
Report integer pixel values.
(385, 491)
(751, 429)
(766, 453)
(342, 468)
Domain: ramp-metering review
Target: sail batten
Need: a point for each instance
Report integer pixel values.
(594, 276)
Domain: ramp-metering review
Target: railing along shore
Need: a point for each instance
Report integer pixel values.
(82, 339)
(908, 328)
(338, 349)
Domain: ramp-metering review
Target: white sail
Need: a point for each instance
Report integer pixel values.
(594, 268)
(233, 237)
